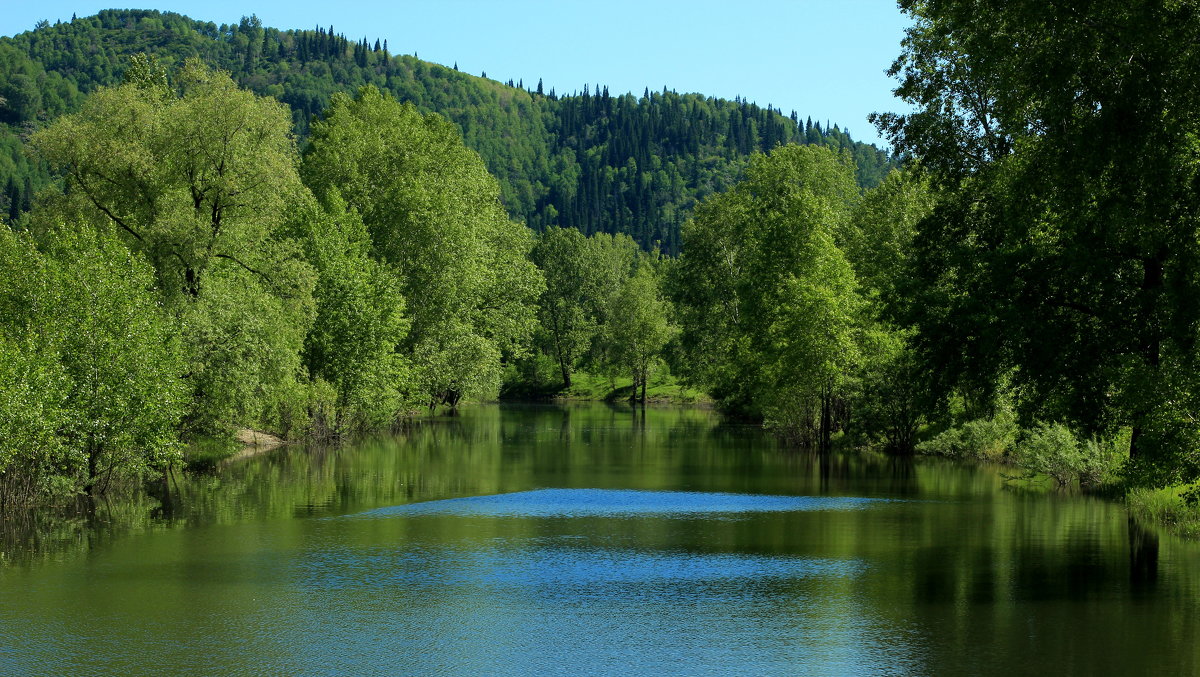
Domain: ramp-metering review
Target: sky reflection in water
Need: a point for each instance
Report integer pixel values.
(563, 603)
(618, 503)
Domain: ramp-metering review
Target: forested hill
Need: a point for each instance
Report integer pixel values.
(590, 160)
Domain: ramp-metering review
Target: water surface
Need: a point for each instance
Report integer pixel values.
(518, 540)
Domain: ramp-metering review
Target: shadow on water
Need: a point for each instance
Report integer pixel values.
(1143, 559)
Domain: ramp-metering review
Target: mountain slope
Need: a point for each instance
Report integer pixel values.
(590, 160)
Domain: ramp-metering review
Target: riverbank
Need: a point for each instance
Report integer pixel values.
(206, 455)
(596, 388)
(1175, 508)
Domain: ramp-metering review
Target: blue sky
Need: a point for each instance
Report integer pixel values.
(825, 59)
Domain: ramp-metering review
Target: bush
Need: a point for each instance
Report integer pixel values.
(1051, 449)
(985, 439)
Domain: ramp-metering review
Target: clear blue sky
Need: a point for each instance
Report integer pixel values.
(825, 59)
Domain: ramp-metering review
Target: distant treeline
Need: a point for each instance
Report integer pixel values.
(590, 160)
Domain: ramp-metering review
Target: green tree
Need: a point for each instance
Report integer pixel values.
(771, 313)
(1066, 254)
(568, 323)
(200, 183)
(98, 359)
(639, 327)
(360, 325)
(433, 212)
(891, 402)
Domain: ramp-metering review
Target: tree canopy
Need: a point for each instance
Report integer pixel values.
(1064, 259)
(433, 212)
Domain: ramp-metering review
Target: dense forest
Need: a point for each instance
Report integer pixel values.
(590, 160)
(1015, 292)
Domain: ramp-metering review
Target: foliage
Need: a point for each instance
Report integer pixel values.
(885, 222)
(592, 161)
(769, 305)
(1052, 449)
(433, 214)
(89, 371)
(1168, 506)
(583, 277)
(198, 182)
(639, 327)
(987, 439)
(359, 321)
(1065, 254)
(888, 407)
(567, 309)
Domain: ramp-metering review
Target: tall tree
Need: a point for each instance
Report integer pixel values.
(433, 212)
(89, 366)
(568, 323)
(1068, 256)
(200, 181)
(639, 327)
(770, 307)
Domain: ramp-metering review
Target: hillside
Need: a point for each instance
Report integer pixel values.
(588, 160)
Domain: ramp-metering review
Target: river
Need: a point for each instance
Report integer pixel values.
(592, 539)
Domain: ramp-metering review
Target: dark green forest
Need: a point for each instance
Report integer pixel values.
(588, 160)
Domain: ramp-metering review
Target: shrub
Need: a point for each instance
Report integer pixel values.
(982, 439)
(1051, 449)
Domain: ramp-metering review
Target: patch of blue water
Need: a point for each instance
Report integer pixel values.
(618, 503)
(552, 569)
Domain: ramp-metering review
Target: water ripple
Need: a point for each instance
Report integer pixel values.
(554, 568)
(618, 503)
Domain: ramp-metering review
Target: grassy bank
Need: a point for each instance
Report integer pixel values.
(1174, 508)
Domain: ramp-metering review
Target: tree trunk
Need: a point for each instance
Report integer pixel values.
(566, 373)
(1152, 282)
(93, 463)
(826, 420)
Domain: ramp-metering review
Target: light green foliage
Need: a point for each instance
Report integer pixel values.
(568, 324)
(243, 344)
(32, 389)
(199, 183)
(91, 367)
(609, 261)
(583, 276)
(987, 439)
(770, 309)
(884, 224)
(453, 363)
(433, 213)
(1053, 450)
(639, 327)
(360, 325)
(890, 403)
